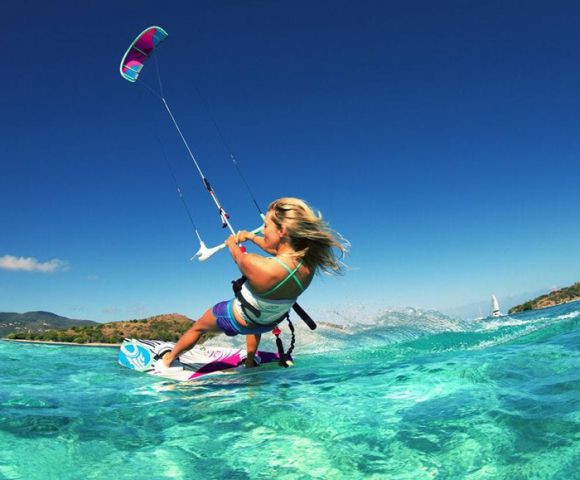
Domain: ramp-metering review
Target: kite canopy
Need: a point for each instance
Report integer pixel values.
(139, 51)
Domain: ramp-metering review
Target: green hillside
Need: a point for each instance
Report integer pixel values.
(36, 322)
(564, 295)
(161, 327)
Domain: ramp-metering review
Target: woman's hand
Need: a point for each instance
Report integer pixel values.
(231, 241)
(244, 235)
(239, 238)
(237, 252)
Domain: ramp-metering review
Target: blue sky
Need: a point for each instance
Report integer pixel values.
(442, 139)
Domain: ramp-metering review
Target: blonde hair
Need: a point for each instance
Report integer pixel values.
(321, 247)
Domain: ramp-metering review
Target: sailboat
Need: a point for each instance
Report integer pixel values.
(495, 311)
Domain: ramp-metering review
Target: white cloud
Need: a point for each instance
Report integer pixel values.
(138, 310)
(135, 311)
(31, 264)
(112, 311)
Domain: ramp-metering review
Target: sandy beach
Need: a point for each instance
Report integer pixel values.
(112, 345)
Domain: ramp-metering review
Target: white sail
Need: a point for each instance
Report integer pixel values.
(495, 312)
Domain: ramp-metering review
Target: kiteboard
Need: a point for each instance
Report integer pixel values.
(202, 360)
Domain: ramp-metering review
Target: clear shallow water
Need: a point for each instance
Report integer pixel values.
(415, 395)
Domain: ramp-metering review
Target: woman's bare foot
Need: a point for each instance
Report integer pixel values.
(166, 360)
(251, 363)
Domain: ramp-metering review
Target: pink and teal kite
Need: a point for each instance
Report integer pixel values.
(139, 51)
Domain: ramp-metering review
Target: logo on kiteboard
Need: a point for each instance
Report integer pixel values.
(135, 356)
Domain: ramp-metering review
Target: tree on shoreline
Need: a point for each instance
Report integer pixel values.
(162, 327)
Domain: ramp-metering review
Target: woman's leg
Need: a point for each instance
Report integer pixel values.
(207, 323)
(252, 342)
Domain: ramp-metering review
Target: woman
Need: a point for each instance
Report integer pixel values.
(302, 244)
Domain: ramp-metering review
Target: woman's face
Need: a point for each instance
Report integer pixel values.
(272, 234)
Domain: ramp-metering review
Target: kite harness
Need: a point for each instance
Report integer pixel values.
(247, 306)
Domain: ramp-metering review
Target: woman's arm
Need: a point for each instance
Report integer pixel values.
(235, 250)
(260, 242)
(257, 269)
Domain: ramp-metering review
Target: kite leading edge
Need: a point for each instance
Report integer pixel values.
(139, 51)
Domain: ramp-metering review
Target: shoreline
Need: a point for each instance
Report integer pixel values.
(547, 306)
(71, 344)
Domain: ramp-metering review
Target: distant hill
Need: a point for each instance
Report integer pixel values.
(564, 295)
(31, 322)
(167, 327)
(482, 308)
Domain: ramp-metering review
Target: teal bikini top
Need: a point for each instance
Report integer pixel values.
(291, 274)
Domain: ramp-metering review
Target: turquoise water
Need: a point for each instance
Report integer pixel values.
(414, 395)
